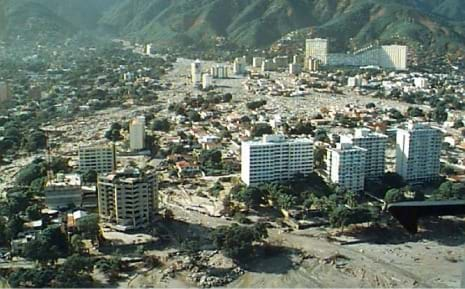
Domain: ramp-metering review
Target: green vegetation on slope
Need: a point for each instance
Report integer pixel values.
(430, 24)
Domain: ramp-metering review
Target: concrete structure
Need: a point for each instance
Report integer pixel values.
(239, 66)
(206, 81)
(418, 153)
(275, 159)
(298, 59)
(196, 73)
(312, 64)
(4, 91)
(127, 198)
(346, 166)
(421, 82)
(354, 81)
(268, 65)
(281, 61)
(385, 56)
(97, 158)
(295, 69)
(148, 49)
(63, 191)
(375, 144)
(137, 133)
(219, 71)
(317, 48)
(257, 62)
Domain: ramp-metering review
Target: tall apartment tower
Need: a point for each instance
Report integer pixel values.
(137, 133)
(99, 158)
(375, 145)
(317, 48)
(418, 153)
(393, 56)
(4, 91)
(275, 159)
(127, 198)
(346, 166)
(196, 73)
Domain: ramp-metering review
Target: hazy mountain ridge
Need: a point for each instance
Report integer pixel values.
(433, 24)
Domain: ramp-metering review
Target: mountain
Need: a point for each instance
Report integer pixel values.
(433, 24)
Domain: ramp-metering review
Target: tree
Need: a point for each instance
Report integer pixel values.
(114, 133)
(29, 173)
(415, 112)
(250, 196)
(458, 123)
(75, 272)
(261, 129)
(253, 105)
(111, 267)
(439, 114)
(194, 116)
(302, 128)
(210, 159)
(31, 278)
(88, 226)
(90, 176)
(450, 191)
(77, 244)
(319, 155)
(50, 245)
(33, 212)
(394, 196)
(14, 226)
(35, 141)
(237, 241)
(227, 97)
(161, 125)
(321, 135)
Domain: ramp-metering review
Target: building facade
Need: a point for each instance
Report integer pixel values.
(196, 73)
(97, 158)
(317, 48)
(127, 198)
(418, 153)
(375, 145)
(275, 159)
(346, 166)
(137, 133)
(4, 91)
(385, 56)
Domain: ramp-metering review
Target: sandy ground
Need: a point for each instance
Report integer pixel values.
(393, 259)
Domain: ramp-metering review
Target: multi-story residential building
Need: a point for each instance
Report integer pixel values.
(276, 159)
(346, 166)
(375, 144)
(196, 73)
(137, 133)
(4, 91)
(418, 153)
(100, 158)
(127, 198)
(63, 191)
(317, 48)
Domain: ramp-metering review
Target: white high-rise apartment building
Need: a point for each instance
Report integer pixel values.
(317, 48)
(98, 158)
(4, 91)
(375, 144)
(393, 56)
(127, 198)
(346, 166)
(418, 153)
(137, 133)
(275, 159)
(196, 73)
